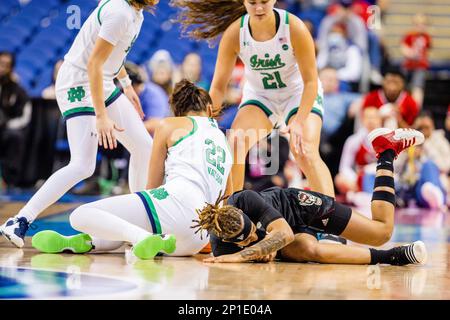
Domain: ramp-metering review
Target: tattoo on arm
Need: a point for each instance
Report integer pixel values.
(268, 245)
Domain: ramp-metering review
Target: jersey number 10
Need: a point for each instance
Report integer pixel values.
(269, 83)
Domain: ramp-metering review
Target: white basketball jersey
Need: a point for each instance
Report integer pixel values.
(115, 21)
(270, 66)
(202, 158)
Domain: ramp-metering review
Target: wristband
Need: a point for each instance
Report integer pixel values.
(125, 82)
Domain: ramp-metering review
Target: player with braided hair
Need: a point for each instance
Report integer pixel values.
(254, 226)
(190, 165)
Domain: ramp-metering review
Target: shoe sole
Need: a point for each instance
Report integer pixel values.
(18, 242)
(398, 135)
(152, 245)
(420, 252)
(52, 242)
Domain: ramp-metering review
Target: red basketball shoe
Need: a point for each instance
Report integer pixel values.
(398, 140)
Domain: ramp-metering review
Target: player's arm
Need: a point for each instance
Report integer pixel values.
(112, 27)
(105, 126)
(169, 131)
(159, 154)
(279, 235)
(102, 50)
(128, 90)
(226, 60)
(304, 51)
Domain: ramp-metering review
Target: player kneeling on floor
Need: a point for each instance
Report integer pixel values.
(191, 157)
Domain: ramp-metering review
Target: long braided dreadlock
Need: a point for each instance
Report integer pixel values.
(224, 222)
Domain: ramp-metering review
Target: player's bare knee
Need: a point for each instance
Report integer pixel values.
(312, 252)
(383, 236)
(293, 254)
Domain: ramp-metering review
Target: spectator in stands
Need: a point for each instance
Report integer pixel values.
(161, 67)
(154, 100)
(355, 26)
(423, 170)
(394, 102)
(49, 92)
(371, 51)
(357, 165)
(342, 55)
(436, 146)
(191, 69)
(337, 102)
(415, 47)
(15, 115)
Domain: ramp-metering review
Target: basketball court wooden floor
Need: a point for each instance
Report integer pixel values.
(27, 273)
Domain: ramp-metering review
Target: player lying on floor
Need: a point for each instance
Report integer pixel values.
(283, 223)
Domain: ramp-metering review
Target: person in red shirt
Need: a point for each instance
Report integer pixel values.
(393, 100)
(415, 47)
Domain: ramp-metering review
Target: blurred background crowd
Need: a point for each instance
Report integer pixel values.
(381, 63)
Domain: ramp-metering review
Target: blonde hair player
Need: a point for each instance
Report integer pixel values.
(94, 109)
(192, 156)
(281, 82)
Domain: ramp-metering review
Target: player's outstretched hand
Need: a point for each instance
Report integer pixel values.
(226, 258)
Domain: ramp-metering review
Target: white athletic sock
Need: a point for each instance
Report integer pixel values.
(104, 225)
(83, 150)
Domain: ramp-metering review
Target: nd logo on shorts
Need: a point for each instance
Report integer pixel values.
(159, 194)
(75, 94)
(307, 199)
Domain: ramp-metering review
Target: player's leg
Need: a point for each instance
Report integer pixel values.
(117, 219)
(310, 161)
(83, 151)
(250, 125)
(306, 248)
(135, 138)
(378, 230)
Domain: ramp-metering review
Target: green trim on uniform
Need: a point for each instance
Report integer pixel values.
(290, 115)
(154, 213)
(293, 112)
(72, 112)
(259, 105)
(242, 21)
(78, 110)
(287, 17)
(194, 129)
(317, 111)
(100, 10)
(114, 94)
